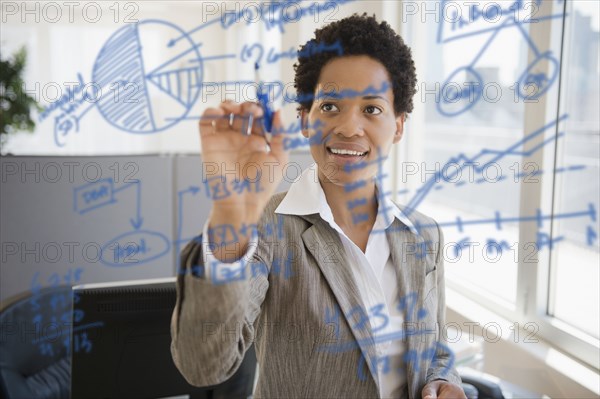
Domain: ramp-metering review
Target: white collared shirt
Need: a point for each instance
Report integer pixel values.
(373, 271)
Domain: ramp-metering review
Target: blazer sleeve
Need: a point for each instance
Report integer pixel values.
(213, 321)
(442, 366)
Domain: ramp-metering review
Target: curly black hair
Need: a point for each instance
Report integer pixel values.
(357, 35)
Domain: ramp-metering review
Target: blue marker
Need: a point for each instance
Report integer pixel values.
(263, 99)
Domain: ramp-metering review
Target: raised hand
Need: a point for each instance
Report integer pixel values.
(235, 151)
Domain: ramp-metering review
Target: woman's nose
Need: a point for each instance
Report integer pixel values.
(349, 124)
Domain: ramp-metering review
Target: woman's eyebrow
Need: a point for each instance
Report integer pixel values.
(375, 98)
(331, 95)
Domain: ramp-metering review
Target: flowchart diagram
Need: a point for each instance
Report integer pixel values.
(463, 88)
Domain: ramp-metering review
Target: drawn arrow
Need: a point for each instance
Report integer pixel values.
(137, 222)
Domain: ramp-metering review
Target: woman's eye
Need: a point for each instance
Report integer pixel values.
(328, 107)
(372, 110)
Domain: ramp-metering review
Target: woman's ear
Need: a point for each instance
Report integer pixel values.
(304, 123)
(399, 127)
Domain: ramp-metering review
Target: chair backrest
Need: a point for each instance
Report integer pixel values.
(485, 389)
(122, 345)
(35, 360)
(34, 339)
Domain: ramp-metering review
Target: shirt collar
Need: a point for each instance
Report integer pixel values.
(306, 197)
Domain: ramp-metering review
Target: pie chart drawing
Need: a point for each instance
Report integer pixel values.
(146, 85)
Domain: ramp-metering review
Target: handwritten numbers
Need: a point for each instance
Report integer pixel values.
(376, 314)
(81, 343)
(407, 304)
(46, 349)
(216, 188)
(362, 317)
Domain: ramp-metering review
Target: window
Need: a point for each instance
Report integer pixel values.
(574, 283)
(503, 151)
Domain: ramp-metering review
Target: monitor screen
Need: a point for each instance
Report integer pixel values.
(120, 345)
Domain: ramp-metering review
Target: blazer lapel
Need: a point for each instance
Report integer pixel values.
(326, 246)
(405, 249)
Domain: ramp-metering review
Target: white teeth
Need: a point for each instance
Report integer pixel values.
(346, 152)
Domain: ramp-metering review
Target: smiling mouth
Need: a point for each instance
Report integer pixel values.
(346, 153)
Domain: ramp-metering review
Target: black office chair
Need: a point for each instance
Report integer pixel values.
(480, 388)
(35, 362)
(31, 365)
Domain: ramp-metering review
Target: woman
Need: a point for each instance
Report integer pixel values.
(358, 310)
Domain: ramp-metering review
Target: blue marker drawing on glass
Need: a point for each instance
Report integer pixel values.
(490, 15)
(98, 194)
(60, 313)
(130, 87)
(133, 247)
(263, 99)
(516, 149)
(460, 223)
(531, 84)
(93, 195)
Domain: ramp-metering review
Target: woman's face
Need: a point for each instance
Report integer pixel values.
(351, 123)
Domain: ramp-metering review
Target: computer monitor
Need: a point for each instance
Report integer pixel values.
(120, 345)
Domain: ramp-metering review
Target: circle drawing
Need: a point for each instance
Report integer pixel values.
(459, 96)
(534, 84)
(147, 86)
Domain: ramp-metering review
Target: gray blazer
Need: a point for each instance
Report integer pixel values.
(297, 303)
